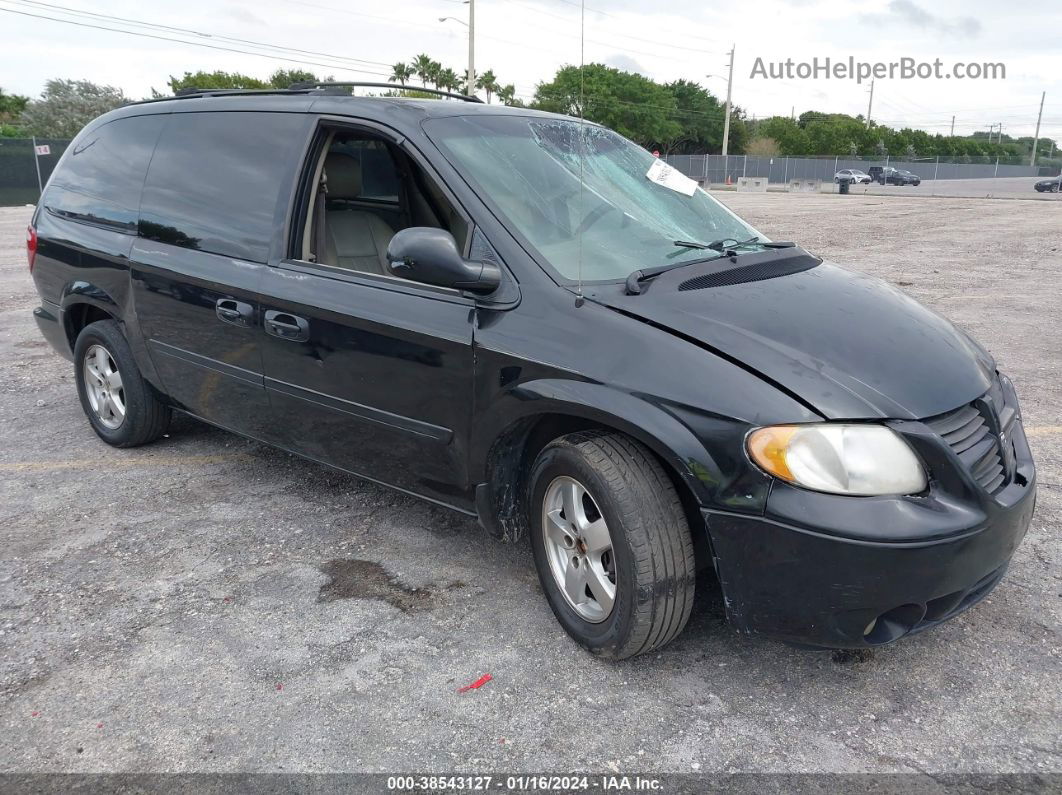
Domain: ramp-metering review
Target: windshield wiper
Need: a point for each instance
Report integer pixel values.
(725, 246)
(634, 281)
(732, 244)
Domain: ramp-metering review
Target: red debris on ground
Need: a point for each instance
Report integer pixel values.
(35, 714)
(99, 725)
(476, 685)
(280, 686)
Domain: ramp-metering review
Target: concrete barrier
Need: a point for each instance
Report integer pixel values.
(752, 184)
(805, 185)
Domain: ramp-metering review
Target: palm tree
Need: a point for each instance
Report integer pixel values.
(401, 72)
(422, 66)
(449, 80)
(488, 82)
(434, 71)
(506, 93)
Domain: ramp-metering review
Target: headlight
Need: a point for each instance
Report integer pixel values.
(862, 460)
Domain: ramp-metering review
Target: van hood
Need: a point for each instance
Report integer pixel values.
(846, 344)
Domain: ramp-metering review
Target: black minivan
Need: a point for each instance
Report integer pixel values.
(528, 318)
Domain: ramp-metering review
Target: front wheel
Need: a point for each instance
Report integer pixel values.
(611, 544)
(120, 405)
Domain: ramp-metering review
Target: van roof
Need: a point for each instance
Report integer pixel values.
(321, 99)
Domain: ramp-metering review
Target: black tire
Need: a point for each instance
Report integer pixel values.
(146, 417)
(652, 549)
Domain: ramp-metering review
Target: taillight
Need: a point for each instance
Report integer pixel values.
(31, 245)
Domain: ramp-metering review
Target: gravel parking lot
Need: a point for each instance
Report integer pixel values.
(209, 604)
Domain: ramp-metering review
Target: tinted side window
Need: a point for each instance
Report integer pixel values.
(101, 176)
(215, 180)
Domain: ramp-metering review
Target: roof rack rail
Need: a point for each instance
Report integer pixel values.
(192, 91)
(303, 85)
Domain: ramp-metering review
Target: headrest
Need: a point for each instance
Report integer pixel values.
(344, 176)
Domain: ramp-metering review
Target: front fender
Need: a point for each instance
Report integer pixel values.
(706, 452)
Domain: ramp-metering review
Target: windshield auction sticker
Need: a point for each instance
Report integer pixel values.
(663, 174)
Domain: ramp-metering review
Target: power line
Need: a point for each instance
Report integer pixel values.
(303, 62)
(188, 31)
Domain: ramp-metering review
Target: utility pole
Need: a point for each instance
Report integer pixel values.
(1036, 138)
(792, 113)
(952, 126)
(999, 140)
(470, 90)
(729, 89)
(870, 105)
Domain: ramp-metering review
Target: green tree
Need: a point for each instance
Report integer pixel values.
(700, 116)
(448, 80)
(435, 71)
(791, 139)
(631, 104)
(401, 72)
(422, 68)
(216, 80)
(285, 78)
(65, 106)
(488, 83)
(507, 94)
(11, 106)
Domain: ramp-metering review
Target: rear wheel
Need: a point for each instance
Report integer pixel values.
(611, 544)
(121, 407)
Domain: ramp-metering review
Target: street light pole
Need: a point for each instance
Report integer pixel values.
(729, 88)
(470, 88)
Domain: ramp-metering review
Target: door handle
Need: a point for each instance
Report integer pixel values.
(287, 326)
(229, 310)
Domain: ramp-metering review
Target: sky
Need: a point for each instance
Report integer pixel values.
(526, 41)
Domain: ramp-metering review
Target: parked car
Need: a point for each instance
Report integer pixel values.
(1050, 185)
(533, 321)
(894, 176)
(853, 175)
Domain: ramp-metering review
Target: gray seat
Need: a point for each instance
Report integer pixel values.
(354, 239)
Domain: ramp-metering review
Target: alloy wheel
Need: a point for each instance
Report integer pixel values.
(103, 386)
(579, 549)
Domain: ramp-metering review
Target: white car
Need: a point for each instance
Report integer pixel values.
(853, 174)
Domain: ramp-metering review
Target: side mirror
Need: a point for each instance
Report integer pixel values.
(430, 256)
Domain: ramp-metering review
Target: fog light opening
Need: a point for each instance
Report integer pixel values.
(893, 624)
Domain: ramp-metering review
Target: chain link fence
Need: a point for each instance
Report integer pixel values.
(19, 182)
(717, 169)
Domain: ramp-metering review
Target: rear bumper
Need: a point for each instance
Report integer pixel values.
(49, 319)
(839, 572)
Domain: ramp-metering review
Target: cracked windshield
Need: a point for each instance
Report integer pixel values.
(584, 195)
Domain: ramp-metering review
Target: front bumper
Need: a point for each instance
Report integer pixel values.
(847, 572)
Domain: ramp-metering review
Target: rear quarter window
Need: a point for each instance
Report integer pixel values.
(216, 179)
(101, 176)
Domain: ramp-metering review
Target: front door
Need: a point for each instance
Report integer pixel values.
(364, 371)
(371, 375)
